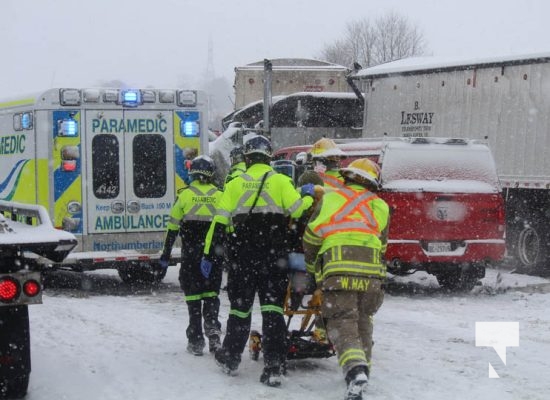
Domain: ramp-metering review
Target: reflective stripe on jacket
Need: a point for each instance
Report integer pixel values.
(332, 180)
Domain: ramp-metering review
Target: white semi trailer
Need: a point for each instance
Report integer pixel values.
(504, 101)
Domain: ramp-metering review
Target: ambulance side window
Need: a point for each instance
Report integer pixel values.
(149, 154)
(105, 166)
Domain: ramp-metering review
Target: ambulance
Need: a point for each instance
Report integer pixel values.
(107, 164)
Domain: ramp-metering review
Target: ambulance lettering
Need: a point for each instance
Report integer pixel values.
(136, 222)
(116, 246)
(140, 125)
(14, 144)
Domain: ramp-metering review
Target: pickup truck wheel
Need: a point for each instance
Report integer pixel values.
(15, 352)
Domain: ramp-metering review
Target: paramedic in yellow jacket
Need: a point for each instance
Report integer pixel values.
(258, 205)
(191, 216)
(344, 244)
(238, 166)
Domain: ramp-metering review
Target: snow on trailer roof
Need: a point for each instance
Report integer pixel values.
(294, 64)
(330, 95)
(415, 65)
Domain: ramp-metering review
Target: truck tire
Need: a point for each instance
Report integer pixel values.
(530, 245)
(141, 274)
(15, 352)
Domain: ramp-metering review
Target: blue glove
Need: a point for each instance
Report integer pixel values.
(308, 190)
(163, 263)
(206, 267)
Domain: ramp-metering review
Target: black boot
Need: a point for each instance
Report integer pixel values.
(226, 362)
(271, 376)
(357, 380)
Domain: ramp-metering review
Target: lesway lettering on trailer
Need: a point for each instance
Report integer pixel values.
(417, 118)
(139, 125)
(12, 144)
(118, 222)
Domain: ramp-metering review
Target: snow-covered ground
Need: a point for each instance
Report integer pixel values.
(108, 343)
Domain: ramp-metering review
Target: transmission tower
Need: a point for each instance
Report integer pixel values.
(209, 79)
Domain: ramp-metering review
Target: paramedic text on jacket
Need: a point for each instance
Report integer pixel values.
(257, 204)
(191, 215)
(344, 244)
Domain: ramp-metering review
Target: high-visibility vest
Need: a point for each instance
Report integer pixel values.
(197, 202)
(343, 221)
(332, 180)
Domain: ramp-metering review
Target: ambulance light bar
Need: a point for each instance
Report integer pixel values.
(91, 96)
(166, 96)
(187, 98)
(110, 96)
(130, 98)
(69, 97)
(148, 96)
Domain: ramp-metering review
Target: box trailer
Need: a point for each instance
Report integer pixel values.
(290, 75)
(505, 101)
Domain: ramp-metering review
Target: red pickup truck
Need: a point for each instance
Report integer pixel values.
(447, 210)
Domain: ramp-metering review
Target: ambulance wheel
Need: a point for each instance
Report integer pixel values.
(15, 352)
(141, 274)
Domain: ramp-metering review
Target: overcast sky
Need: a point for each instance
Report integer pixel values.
(164, 43)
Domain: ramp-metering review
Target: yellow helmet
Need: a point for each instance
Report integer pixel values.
(326, 148)
(363, 171)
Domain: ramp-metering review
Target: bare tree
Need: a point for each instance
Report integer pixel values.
(369, 43)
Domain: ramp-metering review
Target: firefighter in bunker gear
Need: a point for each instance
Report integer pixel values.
(191, 215)
(326, 157)
(257, 204)
(344, 244)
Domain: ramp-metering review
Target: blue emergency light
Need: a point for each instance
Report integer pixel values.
(130, 98)
(190, 124)
(68, 127)
(190, 128)
(26, 121)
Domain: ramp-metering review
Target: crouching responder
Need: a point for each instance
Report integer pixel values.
(326, 157)
(257, 204)
(344, 244)
(191, 215)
